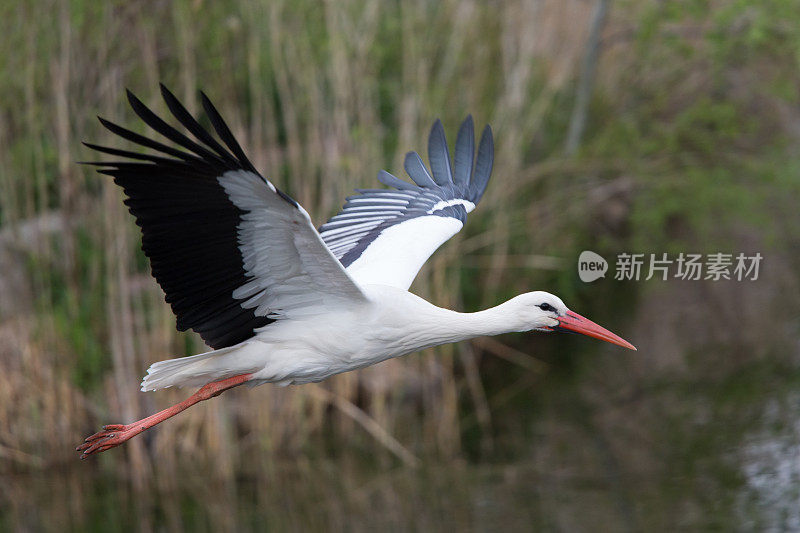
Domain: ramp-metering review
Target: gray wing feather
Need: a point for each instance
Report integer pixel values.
(439, 155)
(391, 180)
(416, 170)
(465, 152)
(483, 169)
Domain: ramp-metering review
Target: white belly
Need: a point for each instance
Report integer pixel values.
(304, 351)
(315, 359)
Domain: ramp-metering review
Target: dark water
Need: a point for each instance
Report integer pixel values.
(679, 455)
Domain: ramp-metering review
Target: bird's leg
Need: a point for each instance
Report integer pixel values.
(115, 434)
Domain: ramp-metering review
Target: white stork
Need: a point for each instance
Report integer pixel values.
(280, 302)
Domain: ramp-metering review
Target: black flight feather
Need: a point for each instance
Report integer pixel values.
(225, 133)
(189, 226)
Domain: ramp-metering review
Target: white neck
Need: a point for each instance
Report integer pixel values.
(435, 325)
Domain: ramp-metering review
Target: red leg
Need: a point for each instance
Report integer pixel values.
(115, 434)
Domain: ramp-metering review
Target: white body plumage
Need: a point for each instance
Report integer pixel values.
(390, 323)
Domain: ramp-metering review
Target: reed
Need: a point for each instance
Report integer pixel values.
(322, 99)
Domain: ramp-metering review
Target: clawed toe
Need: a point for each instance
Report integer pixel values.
(112, 435)
(98, 435)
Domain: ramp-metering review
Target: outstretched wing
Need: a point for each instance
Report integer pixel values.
(231, 252)
(384, 236)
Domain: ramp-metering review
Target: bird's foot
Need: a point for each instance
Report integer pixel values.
(111, 436)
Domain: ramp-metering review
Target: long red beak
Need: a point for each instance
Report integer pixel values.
(576, 323)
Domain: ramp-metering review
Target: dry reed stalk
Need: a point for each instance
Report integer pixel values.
(368, 423)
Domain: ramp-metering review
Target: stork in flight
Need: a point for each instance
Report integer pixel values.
(280, 302)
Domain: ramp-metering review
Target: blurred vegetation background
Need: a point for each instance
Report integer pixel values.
(644, 126)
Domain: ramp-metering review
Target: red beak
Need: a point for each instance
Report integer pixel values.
(578, 324)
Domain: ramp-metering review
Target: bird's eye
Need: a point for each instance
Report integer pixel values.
(546, 307)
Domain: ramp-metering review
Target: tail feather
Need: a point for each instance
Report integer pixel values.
(192, 371)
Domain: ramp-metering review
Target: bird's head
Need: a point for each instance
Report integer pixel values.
(542, 311)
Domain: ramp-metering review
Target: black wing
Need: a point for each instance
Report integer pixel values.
(215, 231)
(448, 191)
